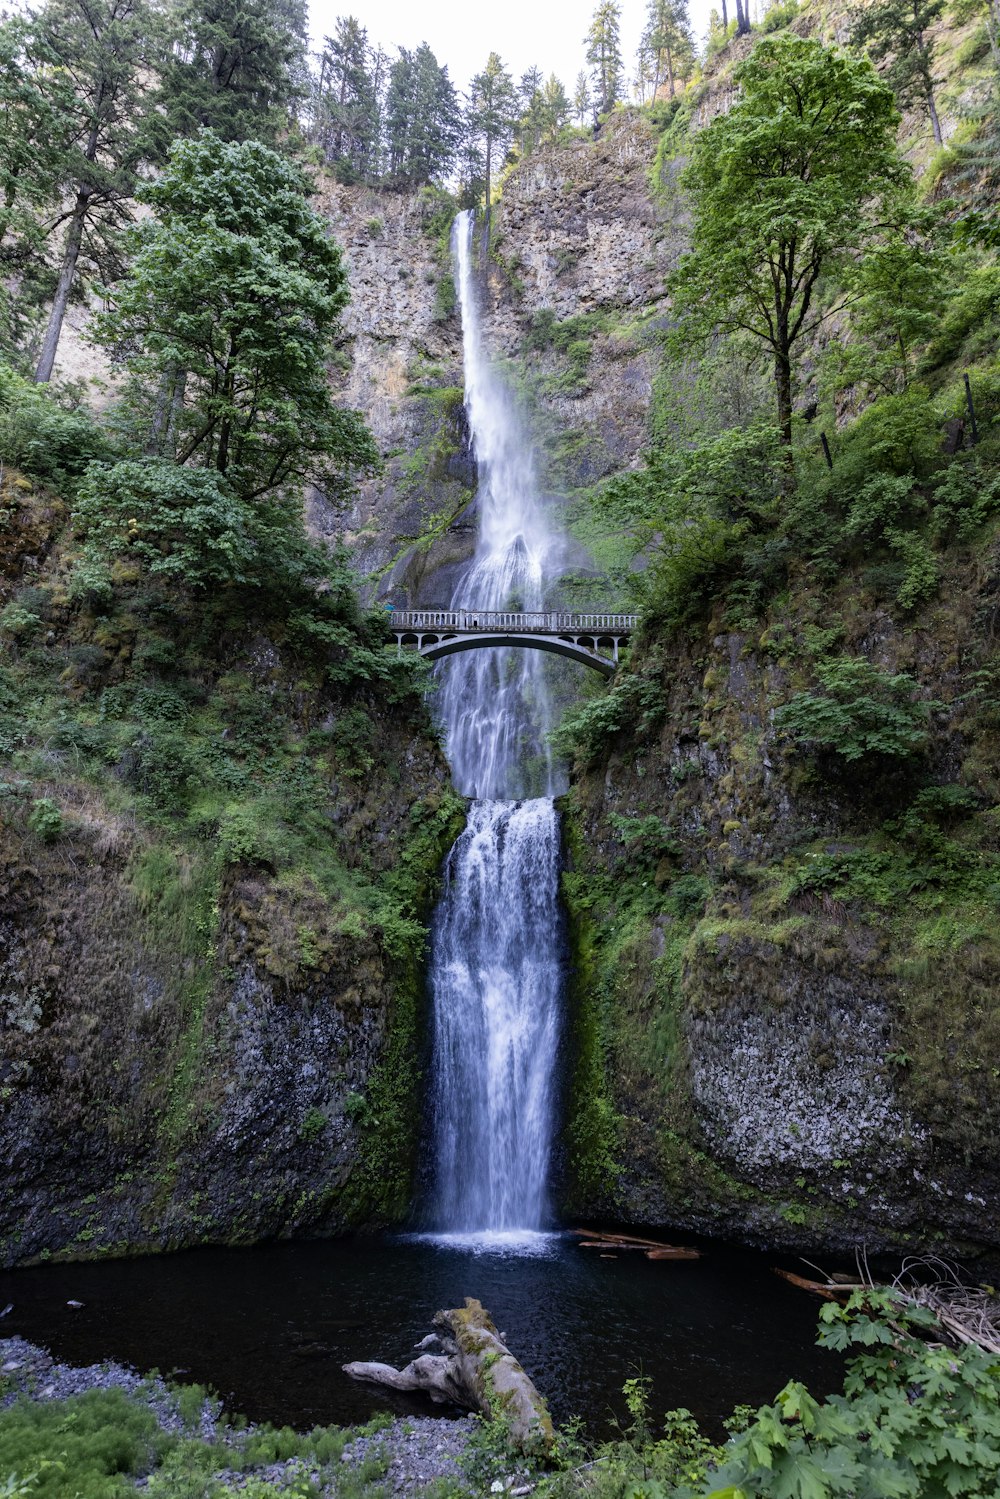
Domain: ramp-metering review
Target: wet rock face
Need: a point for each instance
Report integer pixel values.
(159, 1090)
(784, 1067)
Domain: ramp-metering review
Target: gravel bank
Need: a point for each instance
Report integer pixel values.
(420, 1450)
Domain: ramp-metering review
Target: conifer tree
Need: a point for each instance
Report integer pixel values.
(897, 29)
(604, 54)
(555, 106)
(422, 118)
(583, 105)
(236, 67)
(668, 42)
(492, 114)
(531, 123)
(36, 124)
(102, 46)
(346, 115)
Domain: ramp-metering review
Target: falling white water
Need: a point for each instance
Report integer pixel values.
(495, 958)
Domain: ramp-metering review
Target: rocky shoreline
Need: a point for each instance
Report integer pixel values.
(412, 1452)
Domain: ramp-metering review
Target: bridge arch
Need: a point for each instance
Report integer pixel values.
(435, 648)
(580, 637)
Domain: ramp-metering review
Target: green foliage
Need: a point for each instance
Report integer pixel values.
(915, 1419)
(223, 323)
(186, 523)
(91, 1445)
(42, 436)
(801, 172)
(862, 712)
(45, 819)
(232, 68)
(779, 15)
(633, 702)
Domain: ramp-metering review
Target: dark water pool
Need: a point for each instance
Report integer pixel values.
(269, 1327)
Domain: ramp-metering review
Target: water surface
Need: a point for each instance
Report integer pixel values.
(269, 1327)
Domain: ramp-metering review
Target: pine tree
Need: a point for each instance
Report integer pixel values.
(583, 105)
(346, 116)
(36, 122)
(897, 29)
(555, 105)
(102, 46)
(532, 122)
(668, 42)
(423, 122)
(492, 114)
(237, 67)
(604, 54)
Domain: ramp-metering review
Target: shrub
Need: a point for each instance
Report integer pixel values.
(19, 622)
(915, 1418)
(40, 435)
(179, 522)
(862, 712)
(45, 819)
(779, 15)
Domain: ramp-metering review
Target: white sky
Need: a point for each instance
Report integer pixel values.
(462, 33)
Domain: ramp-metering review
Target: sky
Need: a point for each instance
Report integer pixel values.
(462, 33)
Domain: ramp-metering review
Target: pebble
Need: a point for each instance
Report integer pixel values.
(419, 1449)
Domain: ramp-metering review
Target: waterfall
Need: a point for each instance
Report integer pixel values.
(495, 951)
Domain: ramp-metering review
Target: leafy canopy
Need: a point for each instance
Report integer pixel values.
(234, 291)
(801, 173)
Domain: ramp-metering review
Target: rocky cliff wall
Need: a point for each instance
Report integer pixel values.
(767, 1045)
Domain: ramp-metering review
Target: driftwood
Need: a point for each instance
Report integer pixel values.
(830, 1289)
(475, 1370)
(654, 1249)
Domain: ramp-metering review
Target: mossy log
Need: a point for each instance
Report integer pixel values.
(475, 1370)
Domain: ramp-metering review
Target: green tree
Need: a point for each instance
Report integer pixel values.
(492, 115)
(667, 40)
(897, 292)
(102, 47)
(604, 54)
(36, 115)
(583, 104)
(897, 30)
(236, 282)
(346, 115)
(236, 67)
(423, 120)
(802, 174)
(532, 122)
(555, 107)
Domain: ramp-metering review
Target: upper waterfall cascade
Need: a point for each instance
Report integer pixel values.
(496, 950)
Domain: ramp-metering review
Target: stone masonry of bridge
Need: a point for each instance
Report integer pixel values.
(587, 638)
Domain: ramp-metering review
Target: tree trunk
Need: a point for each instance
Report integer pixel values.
(725, 17)
(670, 72)
(489, 157)
(476, 1370)
(783, 391)
(167, 409)
(932, 111)
(71, 254)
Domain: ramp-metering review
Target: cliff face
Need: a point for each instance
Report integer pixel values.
(756, 1055)
(215, 858)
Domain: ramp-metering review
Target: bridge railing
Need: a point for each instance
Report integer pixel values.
(554, 622)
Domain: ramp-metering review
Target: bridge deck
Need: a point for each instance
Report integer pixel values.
(491, 621)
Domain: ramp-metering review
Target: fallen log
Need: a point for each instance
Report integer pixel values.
(830, 1290)
(475, 1370)
(595, 1238)
(673, 1252)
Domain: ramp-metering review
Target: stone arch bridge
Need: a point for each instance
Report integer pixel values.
(594, 639)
